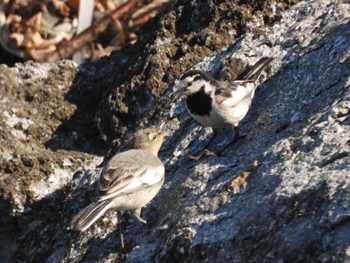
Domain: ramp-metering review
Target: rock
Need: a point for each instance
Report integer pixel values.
(281, 193)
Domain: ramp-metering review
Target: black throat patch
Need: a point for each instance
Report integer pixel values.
(199, 103)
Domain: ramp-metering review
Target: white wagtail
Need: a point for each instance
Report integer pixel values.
(129, 181)
(219, 104)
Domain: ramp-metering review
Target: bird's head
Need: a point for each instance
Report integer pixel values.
(193, 81)
(150, 139)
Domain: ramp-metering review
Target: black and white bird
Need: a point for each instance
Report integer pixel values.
(220, 104)
(129, 181)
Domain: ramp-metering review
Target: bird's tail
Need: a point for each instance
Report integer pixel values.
(86, 217)
(254, 72)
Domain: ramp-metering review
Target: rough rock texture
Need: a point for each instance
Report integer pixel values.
(33, 109)
(281, 193)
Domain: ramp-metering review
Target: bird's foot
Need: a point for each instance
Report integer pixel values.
(234, 140)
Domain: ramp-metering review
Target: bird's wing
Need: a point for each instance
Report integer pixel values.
(128, 172)
(231, 94)
(254, 72)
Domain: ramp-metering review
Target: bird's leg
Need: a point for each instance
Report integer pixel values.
(235, 139)
(137, 214)
(206, 152)
(121, 236)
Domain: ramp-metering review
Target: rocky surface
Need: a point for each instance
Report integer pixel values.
(33, 109)
(281, 193)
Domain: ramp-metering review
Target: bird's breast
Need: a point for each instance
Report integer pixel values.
(199, 103)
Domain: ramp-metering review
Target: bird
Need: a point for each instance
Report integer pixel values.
(129, 180)
(220, 104)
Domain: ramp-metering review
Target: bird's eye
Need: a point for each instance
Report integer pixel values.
(152, 136)
(187, 85)
(197, 77)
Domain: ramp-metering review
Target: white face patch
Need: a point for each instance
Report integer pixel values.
(185, 83)
(196, 86)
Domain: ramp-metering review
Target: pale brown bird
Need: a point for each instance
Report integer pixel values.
(129, 181)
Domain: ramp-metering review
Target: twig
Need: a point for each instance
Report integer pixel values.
(67, 48)
(143, 14)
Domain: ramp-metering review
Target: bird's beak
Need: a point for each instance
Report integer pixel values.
(163, 135)
(161, 131)
(178, 93)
